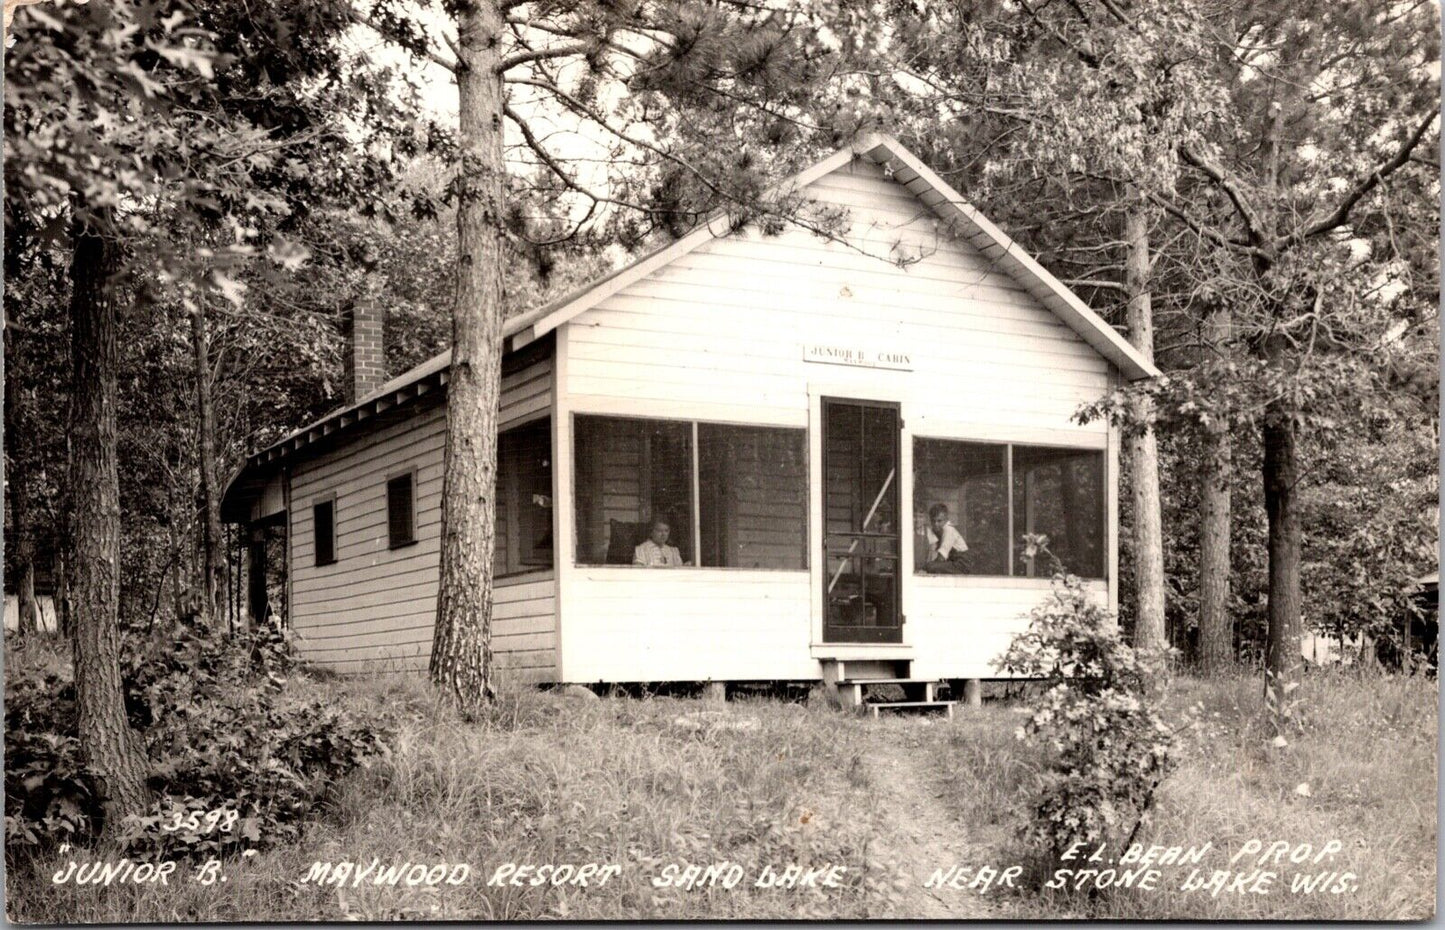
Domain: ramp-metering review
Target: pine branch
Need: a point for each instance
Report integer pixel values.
(1200, 229)
(1118, 14)
(1341, 213)
(1084, 55)
(565, 50)
(556, 168)
(1097, 283)
(586, 112)
(1253, 226)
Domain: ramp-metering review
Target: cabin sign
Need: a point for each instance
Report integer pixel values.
(857, 356)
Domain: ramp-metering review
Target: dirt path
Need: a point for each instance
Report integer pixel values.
(923, 835)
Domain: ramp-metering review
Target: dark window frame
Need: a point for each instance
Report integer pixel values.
(1015, 520)
(694, 533)
(524, 567)
(393, 542)
(328, 501)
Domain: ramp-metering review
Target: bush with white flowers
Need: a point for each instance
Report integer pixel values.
(1109, 749)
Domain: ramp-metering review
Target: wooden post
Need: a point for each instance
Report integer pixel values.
(695, 511)
(715, 691)
(257, 593)
(973, 692)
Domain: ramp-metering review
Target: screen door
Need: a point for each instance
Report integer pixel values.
(860, 522)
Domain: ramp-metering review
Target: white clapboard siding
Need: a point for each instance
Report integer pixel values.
(723, 328)
(961, 624)
(374, 609)
(525, 393)
(638, 624)
(639, 347)
(732, 316)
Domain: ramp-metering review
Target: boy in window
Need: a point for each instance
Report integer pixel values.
(654, 551)
(946, 547)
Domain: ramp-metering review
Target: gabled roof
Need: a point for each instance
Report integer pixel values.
(961, 218)
(905, 168)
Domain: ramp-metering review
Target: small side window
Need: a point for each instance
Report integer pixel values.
(400, 510)
(323, 523)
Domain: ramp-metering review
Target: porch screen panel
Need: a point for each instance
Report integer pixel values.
(524, 499)
(1060, 493)
(753, 490)
(971, 480)
(629, 471)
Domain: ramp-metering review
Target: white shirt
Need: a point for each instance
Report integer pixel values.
(652, 555)
(952, 541)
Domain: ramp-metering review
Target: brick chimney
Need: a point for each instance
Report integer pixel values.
(365, 358)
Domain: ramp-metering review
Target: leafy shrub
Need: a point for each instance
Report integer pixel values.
(1110, 749)
(223, 732)
(48, 795)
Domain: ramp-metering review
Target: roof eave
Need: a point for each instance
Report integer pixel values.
(939, 196)
(977, 230)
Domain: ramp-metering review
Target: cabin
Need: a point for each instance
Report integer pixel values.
(783, 418)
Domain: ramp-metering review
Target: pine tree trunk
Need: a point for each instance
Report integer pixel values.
(63, 561)
(29, 620)
(112, 750)
(213, 556)
(1143, 450)
(461, 660)
(17, 485)
(1280, 472)
(1216, 626)
(1281, 503)
(24, 543)
(175, 573)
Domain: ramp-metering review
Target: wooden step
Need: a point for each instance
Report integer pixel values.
(945, 706)
(856, 667)
(850, 690)
(888, 681)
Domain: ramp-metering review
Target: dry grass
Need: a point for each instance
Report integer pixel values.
(555, 779)
(551, 779)
(1367, 751)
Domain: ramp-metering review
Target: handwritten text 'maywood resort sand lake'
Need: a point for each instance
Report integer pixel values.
(582, 875)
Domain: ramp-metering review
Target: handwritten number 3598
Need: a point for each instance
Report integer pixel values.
(201, 822)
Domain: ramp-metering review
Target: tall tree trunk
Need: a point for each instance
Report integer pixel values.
(1216, 626)
(176, 570)
(213, 554)
(461, 659)
(111, 749)
(1280, 472)
(17, 483)
(1281, 503)
(29, 619)
(63, 561)
(1143, 450)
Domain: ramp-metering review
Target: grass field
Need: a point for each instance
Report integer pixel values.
(554, 779)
